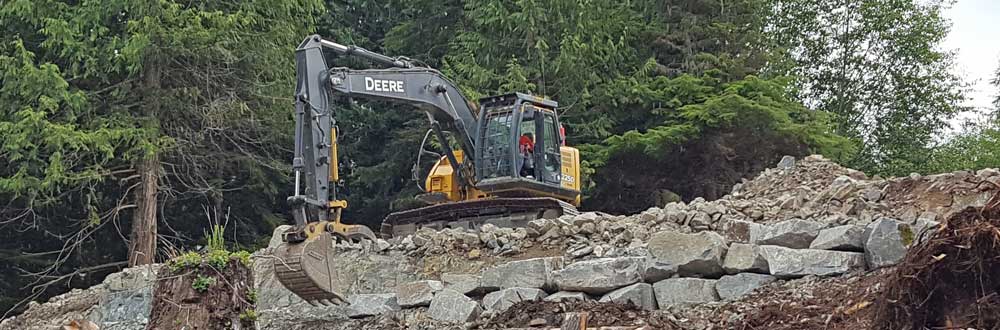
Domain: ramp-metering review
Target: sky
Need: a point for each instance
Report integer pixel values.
(975, 36)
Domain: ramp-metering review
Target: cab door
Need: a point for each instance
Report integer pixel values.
(547, 154)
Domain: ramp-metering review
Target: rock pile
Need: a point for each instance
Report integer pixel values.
(804, 218)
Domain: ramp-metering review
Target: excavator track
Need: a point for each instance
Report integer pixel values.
(502, 212)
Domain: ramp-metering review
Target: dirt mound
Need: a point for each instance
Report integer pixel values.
(549, 313)
(952, 281)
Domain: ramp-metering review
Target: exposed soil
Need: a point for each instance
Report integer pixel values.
(952, 281)
(203, 298)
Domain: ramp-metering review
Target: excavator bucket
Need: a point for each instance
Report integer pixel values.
(308, 269)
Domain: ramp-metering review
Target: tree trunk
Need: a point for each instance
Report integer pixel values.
(204, 298)
(142, 247)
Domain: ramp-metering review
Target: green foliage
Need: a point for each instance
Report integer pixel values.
(249, 315)
(879, 68)
(689, 106)
(252, 296)
(202, 283)
(188, 260)
(215, 238)
(217, 258)
(243, 257)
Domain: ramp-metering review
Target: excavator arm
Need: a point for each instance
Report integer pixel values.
(405, 83)
(306, 260)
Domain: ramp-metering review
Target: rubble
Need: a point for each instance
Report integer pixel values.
(789, 263)
(782, 238)
(530, 273)
(500, 300)
(840, 238)
(598, 276)
(362, 305)
(452, 306)
(657, 270)
(462, 283)
(640, 294)
(417, 293)
(694, 254)
(885, 244)
(744, 258)
(731, 287)
(684, 291)
(566, 296)
(793, 233)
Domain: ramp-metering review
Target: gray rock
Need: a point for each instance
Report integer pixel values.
(581, 252)
(540, 225)
(453, 306)
(791, 263)
(657, 270)
(126, 309)
(362, 305)
(461, 283)
(599, 275)
(567, 296)
(698, 254)
(529, 273)
(840, 238)
(684, 291)
(584, 218)
(744, 258)
(786, 163)
(417, 293)
(884, 242)
(793, 233)
(499, 301)
(742, 231)
(382, 245)
(640, 294)
(731, 287)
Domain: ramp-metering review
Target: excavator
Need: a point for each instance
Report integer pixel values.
(510, 166)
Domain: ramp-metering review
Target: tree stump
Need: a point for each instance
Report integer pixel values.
(210, 292)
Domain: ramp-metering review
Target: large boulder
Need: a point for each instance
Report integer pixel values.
(417, 293)
(463, 283)
(793, 233)
(684, 291)
(640, 294)
(599, 275)
(362, 305)
(840, 238)
(453, 306)
(656, 270)
(885, 242)
(732, 287)
(499, 301)
(698, 254)
(529, 273)
(791, 263)
(744, 258)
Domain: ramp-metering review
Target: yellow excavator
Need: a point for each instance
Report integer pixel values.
(512, 165)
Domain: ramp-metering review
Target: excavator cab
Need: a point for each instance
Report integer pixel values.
(520, 149)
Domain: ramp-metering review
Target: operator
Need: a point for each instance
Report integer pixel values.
(527, 145)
